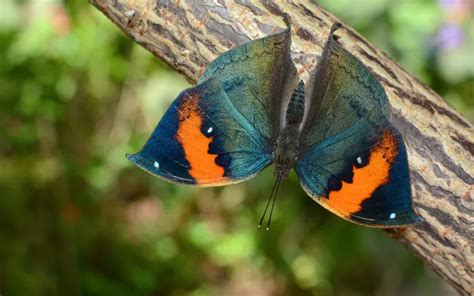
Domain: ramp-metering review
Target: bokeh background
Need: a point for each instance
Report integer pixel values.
(76, 218)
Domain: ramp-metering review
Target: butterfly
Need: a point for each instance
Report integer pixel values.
(247, 111)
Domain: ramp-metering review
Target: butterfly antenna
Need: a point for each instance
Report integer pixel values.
(278, 182)
(268, 203)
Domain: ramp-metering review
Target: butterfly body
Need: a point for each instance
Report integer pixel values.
(287, 143)
(347, 155)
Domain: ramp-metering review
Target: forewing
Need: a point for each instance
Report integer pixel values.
(361, 174)
(353, 161)
(203, 140)
(256, 77)
(342, 91)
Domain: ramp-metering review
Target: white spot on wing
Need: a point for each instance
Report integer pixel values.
(209, 130)
(393, 215)
(359, 160)
(156, 164)
(130, 13)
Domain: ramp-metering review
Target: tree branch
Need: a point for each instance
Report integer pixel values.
(190, 34)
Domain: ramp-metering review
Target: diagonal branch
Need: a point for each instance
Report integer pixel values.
(190, 34)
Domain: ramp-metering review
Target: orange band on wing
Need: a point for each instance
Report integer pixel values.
(366, 179)
(196, 145)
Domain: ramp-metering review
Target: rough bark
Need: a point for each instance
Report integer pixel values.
(189, 34)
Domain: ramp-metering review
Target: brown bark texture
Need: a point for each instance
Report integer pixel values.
(189, 34)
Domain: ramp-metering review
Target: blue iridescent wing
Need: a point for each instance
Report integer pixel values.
(257, 76)
(223, 130)
(203, 140)
(353, 161)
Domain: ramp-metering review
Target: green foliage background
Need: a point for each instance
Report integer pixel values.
(77, 218)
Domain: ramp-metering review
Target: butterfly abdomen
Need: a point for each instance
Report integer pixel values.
(295, 111)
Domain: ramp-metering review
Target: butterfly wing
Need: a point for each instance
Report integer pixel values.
(353, 161)
(256, 77)
(222, 131)
(203, 140)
